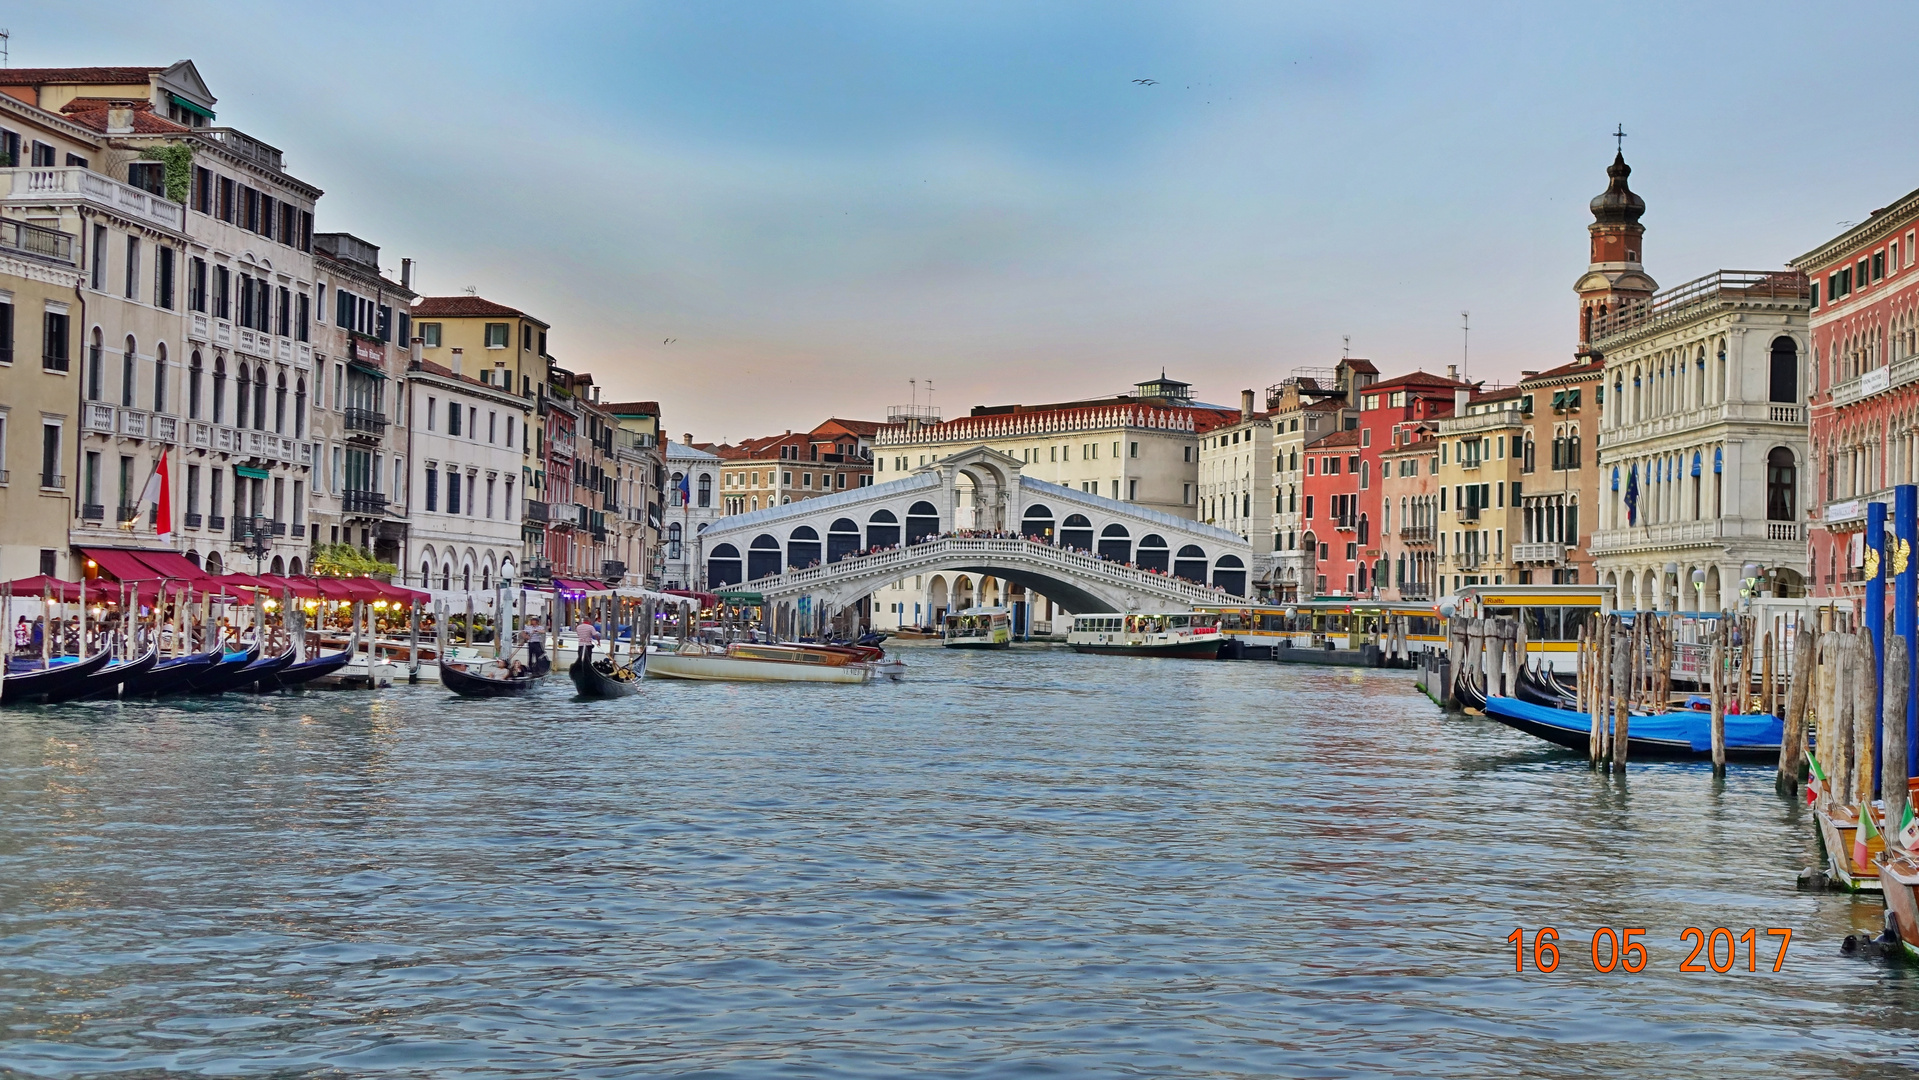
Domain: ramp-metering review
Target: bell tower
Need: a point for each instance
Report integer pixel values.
(1616, 276)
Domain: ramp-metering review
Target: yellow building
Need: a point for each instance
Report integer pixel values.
(1481, 453)
(39, 275)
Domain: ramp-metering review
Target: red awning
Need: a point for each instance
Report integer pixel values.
(121, 565)
(579, 586)
(706, 599)
(171, 564)
(400, 594)
(41, 585)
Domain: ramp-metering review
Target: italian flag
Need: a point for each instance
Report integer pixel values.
(1862, 836)
(1816, 786)
(157, 492)
(1909, 830)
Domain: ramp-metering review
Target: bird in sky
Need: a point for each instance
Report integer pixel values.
(669, 341)
(1147, 82)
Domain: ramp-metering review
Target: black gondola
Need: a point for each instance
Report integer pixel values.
(1536, 689)
(1470, 694)
(172, 676)
(107, 681)
(35, 685)
(601, 678)
(222, 669)
(456, 678)
(263, 668)
(304, 672)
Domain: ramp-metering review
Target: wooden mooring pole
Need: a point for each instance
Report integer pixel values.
(1792, 744)
(1892, 778)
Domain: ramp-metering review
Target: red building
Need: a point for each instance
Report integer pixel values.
(1388, 410)
(1863, 386)
(1334, 532)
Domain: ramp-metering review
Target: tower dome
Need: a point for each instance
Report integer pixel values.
(1617, 205)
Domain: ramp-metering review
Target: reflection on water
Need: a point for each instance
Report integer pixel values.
(1028, 861)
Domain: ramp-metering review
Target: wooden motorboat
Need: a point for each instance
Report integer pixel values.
(605, 678)
(220, 670)
(171, 676)
(1750, 737)
(304, 672)
(263, 668)
(106, 682)
(36, 685)
(463, 680)
(742, 662)
(1837, 825)
(1899, 880)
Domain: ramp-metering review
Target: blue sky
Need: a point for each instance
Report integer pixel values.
(821, 201)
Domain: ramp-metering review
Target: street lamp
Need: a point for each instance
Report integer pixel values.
(258, 542)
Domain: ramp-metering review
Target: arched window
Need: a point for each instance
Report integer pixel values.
(802, 548)
(922, 521)
(96, 368)
(678, 479)
(883, 530)
(723, 567)
(160, 377)
(280, 405)
(842, 539)
(219, 390)
(1781, 485)
(300, 412)
(446, 576)
(1784, 383)
(1116, 543)
(1076, 532)
(706, 490)
(193, 386)
(1152, 553)
(242, 395)
(1229, 573)
(260, 399)
(426, 574)
(673, 535)
(1191, 564)
(129, 363)
(762, 557)
(1037, 523)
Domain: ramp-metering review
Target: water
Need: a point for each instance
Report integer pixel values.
(1029, 863)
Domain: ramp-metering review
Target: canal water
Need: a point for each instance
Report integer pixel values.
(1026, 863)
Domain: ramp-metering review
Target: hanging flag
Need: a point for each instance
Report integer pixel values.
(1816, 786)
(157, 492)
(1909, 830)
(1862, 836)
(1632, 496)
(685, 492)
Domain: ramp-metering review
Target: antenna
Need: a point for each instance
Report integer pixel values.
(6, 37)
(915, 384)
(472, 290)
(1465, 346)
(929, 393)
(1346, 346)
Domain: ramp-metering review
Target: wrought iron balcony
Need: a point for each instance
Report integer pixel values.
(92, 512)
(365, 424)
(216, 523)
(193, 521)
(612, 570)
(1416, 534)
(536, 511)
(365, 503)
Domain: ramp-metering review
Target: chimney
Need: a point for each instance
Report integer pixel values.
(1460, 398)
(1245, 405)
(413, 352)
(406, 274)
(457, 357)
(1452, 372)
(119, 117)
(687, 438)
(596, 393)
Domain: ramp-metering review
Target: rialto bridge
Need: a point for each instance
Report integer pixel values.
(973, 512)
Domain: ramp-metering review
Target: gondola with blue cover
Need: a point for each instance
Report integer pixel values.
(37, 684)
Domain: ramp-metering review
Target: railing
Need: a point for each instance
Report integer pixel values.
(1693, 420)
(1469, 561)
(1539, 552)
(536, 511)
(216, 523)
(1416, 534)
(1693, 533)
(1782, 530)
(1723, 288)
(133, 423)
(125, 512)
(97, 417)
(92, 512)
(889, 564)
(612, 570)
(193, 521)
(365, 422)
(363, 502)
(52, 481)
(1469, 512)
(1346, 522)
(40, 183)
(37, 240)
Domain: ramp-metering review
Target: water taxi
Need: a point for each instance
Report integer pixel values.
(979, 628)
(750, 662)
(1553, 616)
(1182, 634)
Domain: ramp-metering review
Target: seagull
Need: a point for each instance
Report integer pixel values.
(1147, 82)
(669, 341)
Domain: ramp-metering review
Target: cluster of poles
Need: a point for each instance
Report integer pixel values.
(1494, 647)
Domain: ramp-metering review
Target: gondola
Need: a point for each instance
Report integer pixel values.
(263, 668)
(1752, 737)
(457, 678)
(221, 670)
(1540, 689)
(59, 678)
(1467, 689)
(106, 682)
(172, 676)
(304, 672)
(601, 678)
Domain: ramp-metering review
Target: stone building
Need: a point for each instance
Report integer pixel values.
(1236, 462)
(692, 504)
(1559, 473)
(1480, 456)
(1409, 514)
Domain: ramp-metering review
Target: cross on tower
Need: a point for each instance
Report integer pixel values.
(1619, 137)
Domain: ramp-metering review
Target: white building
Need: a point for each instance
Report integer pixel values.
(692, 504)
(463, 452)
(1236, 465)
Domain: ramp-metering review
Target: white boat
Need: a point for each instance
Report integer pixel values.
(978, 628)
(741, 662)
(1178, 633)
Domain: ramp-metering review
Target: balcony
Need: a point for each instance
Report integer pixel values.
(536, 511)
(53, 481)
(1416, 534)
(1469, 561)
(98, 418)
(244, 531)
(1764, 290)
(1346, 522)
(363, 503)
(1469, 512)
(1731, 412)
(365, 425)
(216, 523)
(92, 512)
(612, 570)
(194, 521)
(134, 423)
(1682, 534)
(38, 242)
(1539, 553)
(41, 185)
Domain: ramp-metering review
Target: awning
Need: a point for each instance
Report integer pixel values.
(565, 585)
(251, 473)
(40, 585)
(705, 599)
(364, 368)
(121, 565)
(171, 564)
(193, 107)
(747, 598)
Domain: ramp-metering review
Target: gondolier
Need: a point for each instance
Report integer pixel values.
(587, 634)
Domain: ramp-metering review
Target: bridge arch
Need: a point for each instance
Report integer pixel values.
(1076, 532)
(882, 529)
(1037, 523)
(1229, 573)
(1190, 564)
(922, 521)
(802, 547)
(1152, 553)
(1116, 543)
(762, 557)
(723, 567)
(842, 539)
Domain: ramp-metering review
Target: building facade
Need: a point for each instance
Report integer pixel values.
(1559, 473)
(1303, 413)
(1409, 514)
(781, 469)
(462, 449)
(39, 275)
(640, 491)
(1864, 431)
(692, 504)
(1480, 449)
(1236, 466)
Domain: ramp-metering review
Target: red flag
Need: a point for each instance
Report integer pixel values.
(166, 498)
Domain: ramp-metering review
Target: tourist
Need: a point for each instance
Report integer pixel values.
(22, 635)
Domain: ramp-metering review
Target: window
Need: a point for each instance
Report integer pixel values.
(160, 378)
(430, 334)
(301, 317)
(42, 155)
(227, 208)
(496, 335)
(222, 289)
(99, 278)
(53, 338)
(133, 267)
(706, 490)
(283, 312)
(50, 455)
(1781, 486)
(202, 198)
(452, 491)
(163, 277)
(452, 418)
(197, 284)
(526, 337)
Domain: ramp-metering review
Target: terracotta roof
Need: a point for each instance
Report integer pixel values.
(432, 368)
(97, 76)
(1364, 367)
(1417, 378)
(92, 112)
(1493, 395)
(632, 408)
(456, 307)
(1205, 420)
(856, 427)
(1577, 367)
(1338, 438)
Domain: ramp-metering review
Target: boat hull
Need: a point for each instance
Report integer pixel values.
(1899, 879)
(720, 668)
(300, 674)
(1573, 730)
(1200, 648)
(476, 686)
(977, 644)
(1835, 839)
(106, 684)
(591, 682)
(59, 679)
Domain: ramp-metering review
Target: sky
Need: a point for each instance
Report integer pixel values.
(765, 214)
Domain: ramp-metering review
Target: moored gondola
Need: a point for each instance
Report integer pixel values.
(36, 685)
(1752, 737)
(170, 676)
(603, 678)
(1536, 689)
(220, 671)
(295, 675)
(263, 668)
(107, 682)
(1470, 694)
(462, 681)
